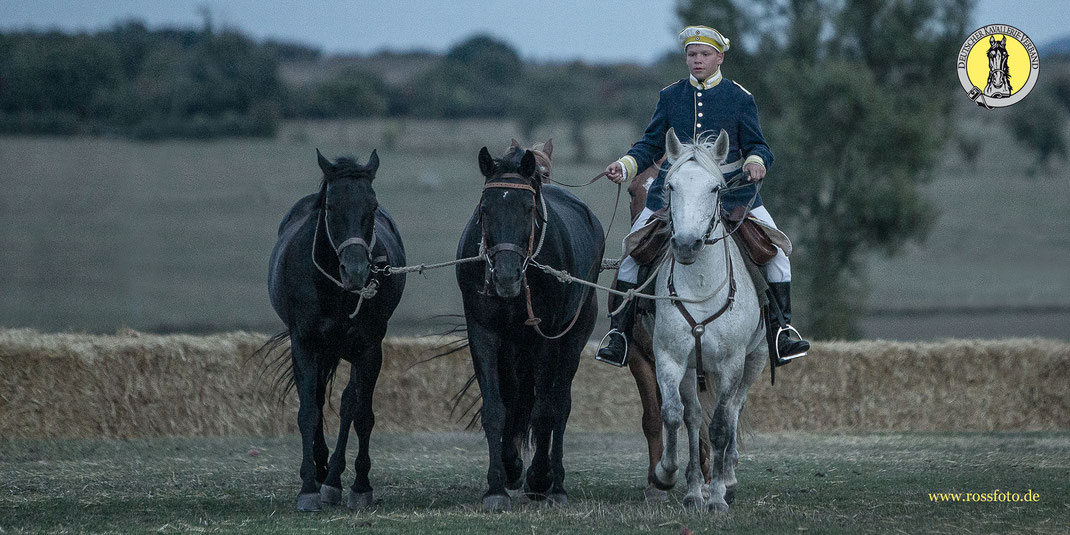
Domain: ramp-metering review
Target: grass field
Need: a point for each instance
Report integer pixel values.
(865, 483)
(174, 236)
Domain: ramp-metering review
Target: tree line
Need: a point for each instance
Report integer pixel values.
(143, 83)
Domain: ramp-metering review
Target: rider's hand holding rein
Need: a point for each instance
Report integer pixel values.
(615, 172)
(754, 171)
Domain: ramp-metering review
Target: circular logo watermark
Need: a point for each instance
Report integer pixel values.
(998, 65)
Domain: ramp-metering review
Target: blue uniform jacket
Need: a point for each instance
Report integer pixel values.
(695, 113)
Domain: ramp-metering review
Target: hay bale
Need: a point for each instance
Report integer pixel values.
(954, 385)
(138, 385)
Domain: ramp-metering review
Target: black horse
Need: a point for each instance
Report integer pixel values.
(525, 328)
(321, 273)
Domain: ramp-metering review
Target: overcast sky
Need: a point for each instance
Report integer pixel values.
(553, 30)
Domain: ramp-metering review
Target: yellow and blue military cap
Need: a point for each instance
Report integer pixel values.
(704, 35)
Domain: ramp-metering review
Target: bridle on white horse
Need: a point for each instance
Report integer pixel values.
(699, 327)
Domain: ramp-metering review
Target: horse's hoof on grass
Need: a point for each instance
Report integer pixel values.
(330, 495)
(694, 503)
(358, 500)
(518, 496)
(652, 494)
(309, 503)
(730, 494)
(497, 502)
(661, 480)
(557, 499)
(717, 507)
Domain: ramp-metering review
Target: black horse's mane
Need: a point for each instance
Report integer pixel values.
(510, 162)
(346, 167)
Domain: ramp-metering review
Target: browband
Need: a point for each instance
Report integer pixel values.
(509, 185)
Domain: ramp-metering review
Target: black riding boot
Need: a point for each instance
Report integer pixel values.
(788, 348)
(616, 351)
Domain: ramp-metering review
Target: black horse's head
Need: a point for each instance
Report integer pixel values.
(348, 203)
(509, 216)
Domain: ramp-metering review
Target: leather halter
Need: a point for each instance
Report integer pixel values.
(368, 249)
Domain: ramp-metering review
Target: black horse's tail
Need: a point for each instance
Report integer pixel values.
(460, 329)
(276, 354)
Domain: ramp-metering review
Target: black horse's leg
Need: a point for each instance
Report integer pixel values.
(367, 369)
(566, 357)
(319, 443)
(309, 418)
(331, 491)
(484, 345)
(516, 416)
(537, 483)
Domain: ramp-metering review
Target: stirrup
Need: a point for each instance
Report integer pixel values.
(781, 360)
(602, 345)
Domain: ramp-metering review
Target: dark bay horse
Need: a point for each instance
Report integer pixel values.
(321, 280)
(525, 328)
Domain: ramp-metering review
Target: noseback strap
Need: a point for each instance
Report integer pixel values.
(357, 241)
(507, 247)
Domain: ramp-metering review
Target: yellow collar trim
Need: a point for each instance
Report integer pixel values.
(709, 83)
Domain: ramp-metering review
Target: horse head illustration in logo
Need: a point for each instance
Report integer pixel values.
(999, 78)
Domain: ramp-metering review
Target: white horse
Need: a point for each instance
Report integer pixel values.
(706, 265)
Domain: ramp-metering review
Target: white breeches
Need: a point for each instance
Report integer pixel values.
(777, 270)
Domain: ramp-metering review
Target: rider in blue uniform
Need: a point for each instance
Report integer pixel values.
(696, 107)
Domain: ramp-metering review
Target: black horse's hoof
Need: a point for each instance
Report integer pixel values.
(359, 500)
(536, 487)
(557, 499)
(309, 503)
(730, 494)
(497, 502)
(330, 495)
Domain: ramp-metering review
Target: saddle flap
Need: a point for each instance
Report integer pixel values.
(649, 241)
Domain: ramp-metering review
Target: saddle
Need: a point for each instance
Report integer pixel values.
(760, 241)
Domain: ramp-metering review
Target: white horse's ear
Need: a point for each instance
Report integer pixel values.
(673, 147)
(720, 147)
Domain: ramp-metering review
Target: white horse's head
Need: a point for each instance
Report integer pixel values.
(692, 184)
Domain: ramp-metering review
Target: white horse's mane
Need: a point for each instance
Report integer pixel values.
(701, 152)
